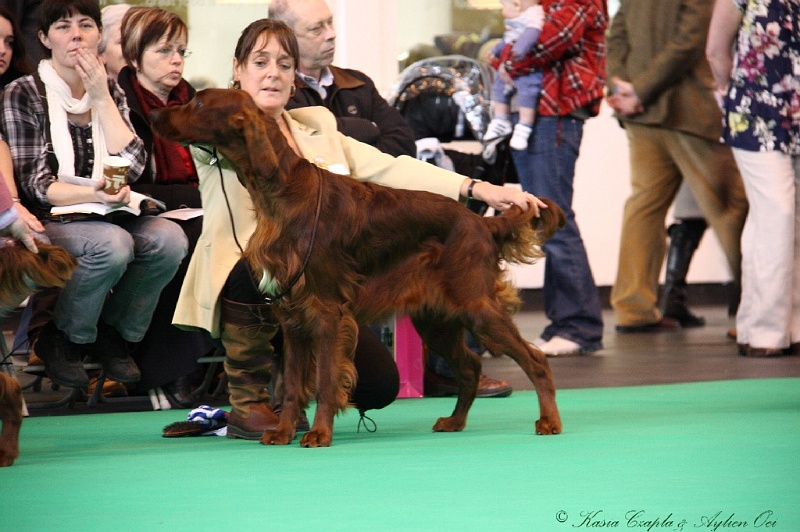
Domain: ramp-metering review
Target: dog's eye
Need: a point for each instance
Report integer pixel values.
(198, 104)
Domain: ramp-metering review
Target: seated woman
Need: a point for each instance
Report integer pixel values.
(13, 62)
(219, 293)
(13, 65)
(111, 44)
(154, 50)
(71, 105)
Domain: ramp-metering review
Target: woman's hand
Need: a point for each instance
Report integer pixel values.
(503, 198)
(123, 197)
(30, 220)
(20, 230)
(93, 74)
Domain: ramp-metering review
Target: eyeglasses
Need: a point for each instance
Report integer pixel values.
(166, 52)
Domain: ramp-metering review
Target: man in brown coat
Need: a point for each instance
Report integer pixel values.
(661, 88)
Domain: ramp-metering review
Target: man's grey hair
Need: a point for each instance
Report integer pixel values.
(282, 10)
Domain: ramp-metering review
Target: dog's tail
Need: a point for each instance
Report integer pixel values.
(520, 235)
(22, 272)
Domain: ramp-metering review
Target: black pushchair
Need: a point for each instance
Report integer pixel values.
(447, 97)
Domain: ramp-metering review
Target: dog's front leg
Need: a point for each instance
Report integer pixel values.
(296, 361)
(11, 416)
(335, 348)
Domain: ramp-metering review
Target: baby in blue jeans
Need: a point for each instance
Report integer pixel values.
(523, 23)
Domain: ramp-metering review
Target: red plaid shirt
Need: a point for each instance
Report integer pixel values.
(571, 52)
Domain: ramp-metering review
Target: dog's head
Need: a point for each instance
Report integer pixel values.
(227, 119)
(22, 271)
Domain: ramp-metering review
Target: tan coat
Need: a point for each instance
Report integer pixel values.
(659, 46)
(314, 130)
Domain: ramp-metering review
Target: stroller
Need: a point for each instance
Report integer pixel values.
(447, 98)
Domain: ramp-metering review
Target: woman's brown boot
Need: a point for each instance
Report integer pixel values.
(246, 334)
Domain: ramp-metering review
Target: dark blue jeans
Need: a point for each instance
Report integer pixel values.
(547, 169)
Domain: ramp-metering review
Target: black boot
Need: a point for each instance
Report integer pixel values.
(684, 238)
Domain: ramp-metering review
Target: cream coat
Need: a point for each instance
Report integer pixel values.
(314, 131)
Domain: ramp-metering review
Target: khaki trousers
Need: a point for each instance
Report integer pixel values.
(660, 159)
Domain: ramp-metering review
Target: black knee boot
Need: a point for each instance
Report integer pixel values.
(684, 238)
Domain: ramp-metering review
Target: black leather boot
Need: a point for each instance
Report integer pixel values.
(684, 237)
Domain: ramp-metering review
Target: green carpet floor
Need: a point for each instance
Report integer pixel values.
(707, 456)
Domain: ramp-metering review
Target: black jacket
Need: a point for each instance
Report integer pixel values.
(361, 112)
(174, 195)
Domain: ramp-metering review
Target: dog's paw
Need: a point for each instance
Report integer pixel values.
(7, 456)
(547, 427)
(277, 437)
(449, 424)
(316, 438)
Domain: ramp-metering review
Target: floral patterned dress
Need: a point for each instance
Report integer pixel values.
(763, 101)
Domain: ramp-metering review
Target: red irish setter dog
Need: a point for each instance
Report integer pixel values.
(348, 252)
(21, 272)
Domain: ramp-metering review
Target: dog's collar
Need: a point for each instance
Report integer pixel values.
(213, 153)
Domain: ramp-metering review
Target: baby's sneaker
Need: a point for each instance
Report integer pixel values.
(498, 128)
(519, 140)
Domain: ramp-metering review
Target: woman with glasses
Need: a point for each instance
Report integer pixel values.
(154, 48)
(63, 120)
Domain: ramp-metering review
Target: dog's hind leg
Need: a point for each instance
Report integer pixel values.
(446, 338)
(500, 335)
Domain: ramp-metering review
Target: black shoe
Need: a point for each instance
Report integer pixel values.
(61, 357)
(665, 325)
(114, 353)
(302, 423)
(684, 316)
(179, 392)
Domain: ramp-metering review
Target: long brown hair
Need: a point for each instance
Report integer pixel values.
(19, 60)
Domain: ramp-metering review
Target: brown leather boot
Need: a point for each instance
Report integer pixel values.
(260, 417)
(246, 334)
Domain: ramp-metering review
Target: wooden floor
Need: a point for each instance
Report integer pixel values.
(686, 355)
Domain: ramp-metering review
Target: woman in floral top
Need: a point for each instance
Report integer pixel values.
(759, 87)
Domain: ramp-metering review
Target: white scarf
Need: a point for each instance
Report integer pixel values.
(59, 103)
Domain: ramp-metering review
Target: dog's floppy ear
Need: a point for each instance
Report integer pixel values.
(260, 152)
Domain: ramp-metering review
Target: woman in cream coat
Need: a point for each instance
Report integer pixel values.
(219, 293)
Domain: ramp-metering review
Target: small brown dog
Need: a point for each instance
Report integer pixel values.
(348, 252)
(21, 273)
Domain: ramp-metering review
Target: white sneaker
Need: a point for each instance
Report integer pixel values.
(560, 347)
(519, 140)
(498, 128)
